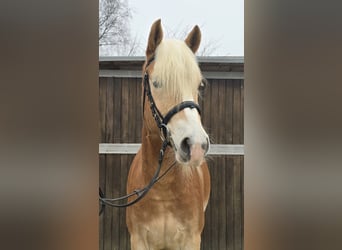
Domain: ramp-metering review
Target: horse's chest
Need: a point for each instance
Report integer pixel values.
(166, 230)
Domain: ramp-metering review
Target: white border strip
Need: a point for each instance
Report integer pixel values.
(132, 148)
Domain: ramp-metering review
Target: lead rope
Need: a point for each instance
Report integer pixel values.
(140, 193)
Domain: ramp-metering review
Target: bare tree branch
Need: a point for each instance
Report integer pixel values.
(207, 48)
(115, 36)
(114, 16)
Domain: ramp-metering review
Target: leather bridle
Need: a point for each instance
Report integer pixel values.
(162, 122)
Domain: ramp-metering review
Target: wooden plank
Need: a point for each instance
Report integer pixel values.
(139, 118)
(102, 107)
(108, 212)
(114, 165)
(127, 135)
(121, 223)
(132, 148)
(223, 75)
(228, 118)
(109, 111)
(214, 116)
(221, 203)
(132, 117)
(214, 211)
(226, 149)
(102, 183)
(124, 111)
(220, 173)
(229, 204)
(237, 200)
(242, 103)
(117, 114)
(237, 115)
(206, 233)
(220, 109)
(124, 231)
(201, 59)
(242, 191)
(113, 73)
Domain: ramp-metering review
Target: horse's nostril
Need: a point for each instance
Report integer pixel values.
(185, 146)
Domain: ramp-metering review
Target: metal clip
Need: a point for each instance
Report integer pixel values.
(165, 133)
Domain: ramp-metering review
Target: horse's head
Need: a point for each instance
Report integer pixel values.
(174, 78)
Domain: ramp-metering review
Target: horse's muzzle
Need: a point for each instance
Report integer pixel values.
(193, 152)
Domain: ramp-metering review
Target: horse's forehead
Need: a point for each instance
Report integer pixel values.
(176, 66)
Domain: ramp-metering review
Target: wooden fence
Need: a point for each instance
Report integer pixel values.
(222, 116)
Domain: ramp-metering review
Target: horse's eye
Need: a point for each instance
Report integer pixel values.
(156, 84)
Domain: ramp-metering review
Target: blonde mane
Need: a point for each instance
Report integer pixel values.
(176, 69)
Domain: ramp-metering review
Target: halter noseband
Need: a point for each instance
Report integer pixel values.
(161, 120)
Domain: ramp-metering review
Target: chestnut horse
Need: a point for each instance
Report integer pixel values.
(171, 214)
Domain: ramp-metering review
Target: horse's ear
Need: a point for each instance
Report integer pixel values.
(193, 40)
(155, 37)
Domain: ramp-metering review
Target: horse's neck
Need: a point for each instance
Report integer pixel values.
(151, 146)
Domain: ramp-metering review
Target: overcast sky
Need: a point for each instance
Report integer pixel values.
(221, 21)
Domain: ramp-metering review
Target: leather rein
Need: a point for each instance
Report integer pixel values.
(162, 122)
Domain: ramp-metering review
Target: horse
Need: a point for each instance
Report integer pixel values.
(171, 214)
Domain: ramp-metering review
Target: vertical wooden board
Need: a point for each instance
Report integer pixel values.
(127, 124)
(124, 111)
(117, 110)
(214, 207)
(109, 110)
(229, 203)
(214, 116)
(221, 202)
(108, 213)
(207, 231)
(228, 118)
(126, 137)
(220, 109)
(102, 107)
(139, 107)
(121, 223)
(237, 201)
(123, 232)
(116, 192)
(205, 237)
(102, 183)
(237, 113)
(242, 87)
(242, 166)
(132, 110)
